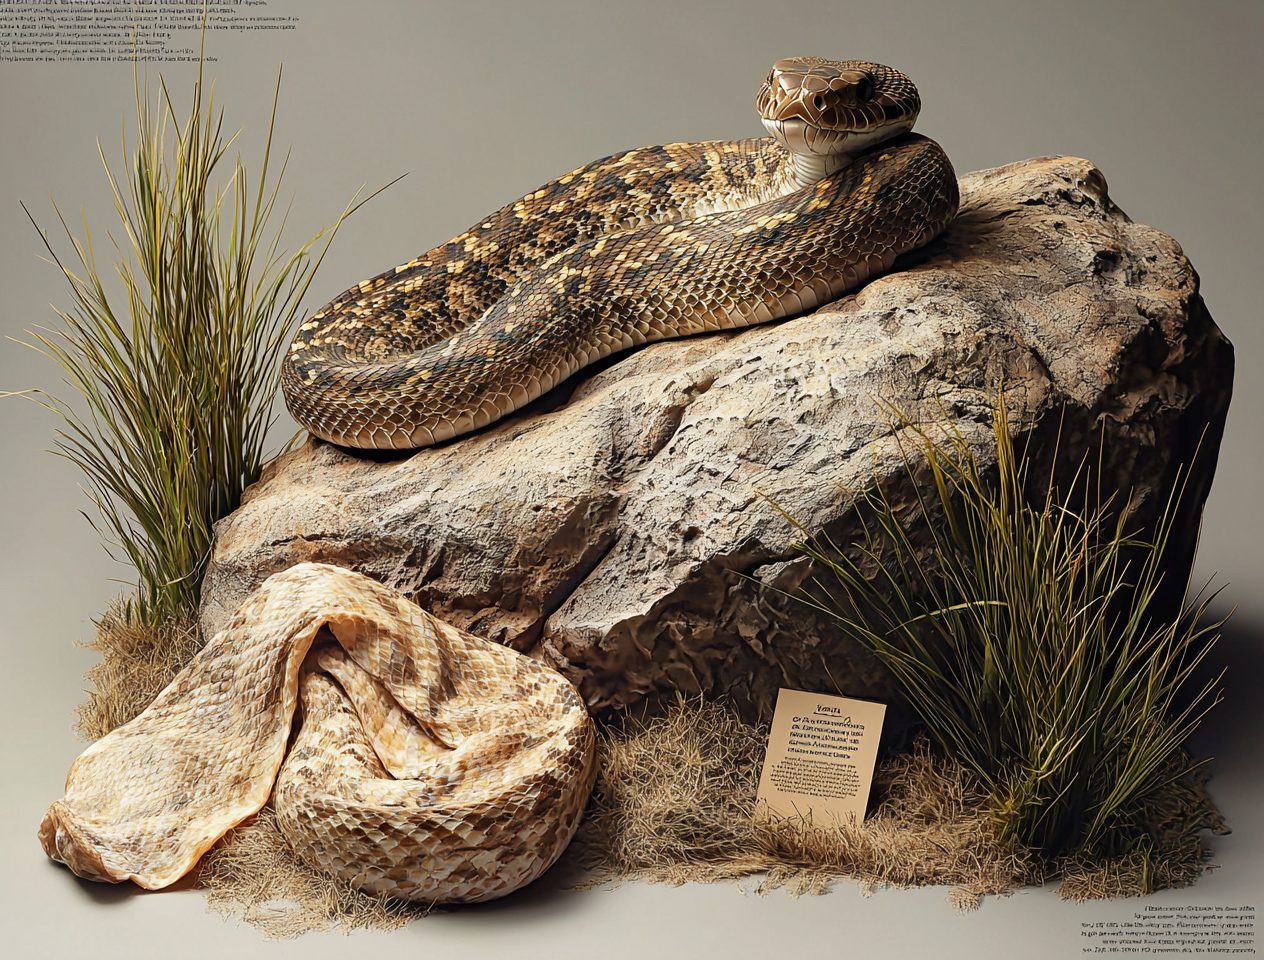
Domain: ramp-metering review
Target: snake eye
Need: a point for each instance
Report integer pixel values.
(864, 90)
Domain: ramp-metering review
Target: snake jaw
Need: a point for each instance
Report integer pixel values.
(819, 153)
(800, 137)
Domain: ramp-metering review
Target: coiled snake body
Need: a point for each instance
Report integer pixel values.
(647, 245)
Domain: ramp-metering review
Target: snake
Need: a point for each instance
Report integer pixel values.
(428, 765)
(646, 245)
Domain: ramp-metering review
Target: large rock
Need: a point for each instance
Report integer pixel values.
(624, 526)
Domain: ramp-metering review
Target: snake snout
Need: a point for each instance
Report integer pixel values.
(835, 106)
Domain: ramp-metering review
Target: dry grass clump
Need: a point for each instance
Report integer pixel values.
(1174, 855)
(254, 875)
(137, 662)
(674, 799)
(174, 349)
(675, 802)
(931, 826)
(1027, 637)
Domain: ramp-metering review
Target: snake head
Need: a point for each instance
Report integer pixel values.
(825, 107)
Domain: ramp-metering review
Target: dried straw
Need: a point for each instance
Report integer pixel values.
(137, 662)
(252, 874)
(675, 802)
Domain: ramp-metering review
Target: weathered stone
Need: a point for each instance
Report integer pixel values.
(624, 526)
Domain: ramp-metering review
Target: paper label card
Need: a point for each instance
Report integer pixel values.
(820, 756)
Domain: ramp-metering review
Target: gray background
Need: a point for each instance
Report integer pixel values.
(479, 103)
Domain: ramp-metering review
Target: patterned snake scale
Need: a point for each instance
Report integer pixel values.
(430, 764)
(647, 245)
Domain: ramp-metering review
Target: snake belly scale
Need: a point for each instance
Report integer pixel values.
(647, 245)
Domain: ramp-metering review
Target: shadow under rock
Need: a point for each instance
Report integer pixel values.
(1231, 732)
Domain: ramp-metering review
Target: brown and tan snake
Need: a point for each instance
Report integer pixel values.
(656, 243)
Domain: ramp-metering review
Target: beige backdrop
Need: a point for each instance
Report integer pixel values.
(480, 102)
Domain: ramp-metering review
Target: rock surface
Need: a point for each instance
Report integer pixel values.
(623, 527)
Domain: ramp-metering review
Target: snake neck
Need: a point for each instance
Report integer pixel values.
(809, 168)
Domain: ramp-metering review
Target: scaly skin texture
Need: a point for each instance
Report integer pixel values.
(652, 244)
(431, 764)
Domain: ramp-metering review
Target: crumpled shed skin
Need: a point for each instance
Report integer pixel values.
(489, 755)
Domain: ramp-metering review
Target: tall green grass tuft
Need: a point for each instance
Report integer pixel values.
(177, 374)
(1022, 633)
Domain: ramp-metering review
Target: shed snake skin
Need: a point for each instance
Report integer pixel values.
(430, 764)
